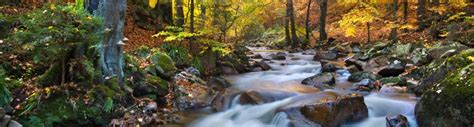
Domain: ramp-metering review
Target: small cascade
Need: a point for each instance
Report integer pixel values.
(247, 116)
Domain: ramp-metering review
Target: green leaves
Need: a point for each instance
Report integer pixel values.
(109, 103)
(5, 95)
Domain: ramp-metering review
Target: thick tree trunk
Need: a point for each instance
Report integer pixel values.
(308, 29)
(179, 13)
(290, 12)
(322, 20)
(111, 57)
(420, 12)
(165, 11)
(393, 33)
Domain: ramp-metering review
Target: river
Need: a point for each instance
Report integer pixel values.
(283, 84)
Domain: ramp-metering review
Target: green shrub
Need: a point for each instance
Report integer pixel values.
(64, 36)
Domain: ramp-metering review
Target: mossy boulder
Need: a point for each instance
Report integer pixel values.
(450, 102)
(439, 69)
(161, 65)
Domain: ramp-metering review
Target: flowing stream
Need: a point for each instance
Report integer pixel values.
(283, 84)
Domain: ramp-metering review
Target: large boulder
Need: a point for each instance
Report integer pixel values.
(325, 55)
(190, 91)
(161, 65)
(450, 101)
(337, 111)
(439, 69)
(320, 80)
(263, 65)
(364, 85)
(218, 83)
(393, 69)
(396, 121)
(329, 67)
(252, 97)
(279, 56)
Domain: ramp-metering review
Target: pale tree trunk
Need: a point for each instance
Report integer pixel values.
(308, 29)
(290, 12)
(393, 33)
(322, 20)
(111, 56)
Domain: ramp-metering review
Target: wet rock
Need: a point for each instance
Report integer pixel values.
(295, 58)
(190, 91)
(263, 65)
(364, 85)
(221, 100)
(402, 50)
(218, 83)
(420, 56)
(325, 55)
(256, 56)
(396, 121)
(353, 69)
(279, 56)
(320, 80)
(14, 123)
(357, 63)
(4, 122)
(438, 51)
(329, 67)
(393, 89)
(359, 76)
(193, 71)
(252, 97)
(335, 112)
(257, 69)
(394, 69)
(398, 81)
(229, 70)
(2, 113)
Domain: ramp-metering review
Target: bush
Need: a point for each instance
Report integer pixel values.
(57, 35)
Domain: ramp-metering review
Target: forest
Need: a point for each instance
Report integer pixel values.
(236, 63)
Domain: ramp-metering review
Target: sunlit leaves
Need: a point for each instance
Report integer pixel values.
(361, 15)
(152, 3)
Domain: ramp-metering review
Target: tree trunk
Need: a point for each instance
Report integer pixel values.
(308, 29)
(420, 12)
(405, 15)
(191, 25)
(322, 20)
(111, 57)
(393, 33)
(179, 13)
(191, 17)
(368, 32)
(290, 12)
(287, 31)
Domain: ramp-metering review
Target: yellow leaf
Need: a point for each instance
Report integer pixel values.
(152, 3)
(445, 34)
(471, 58)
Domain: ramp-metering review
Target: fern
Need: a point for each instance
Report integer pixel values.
(109, 103)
